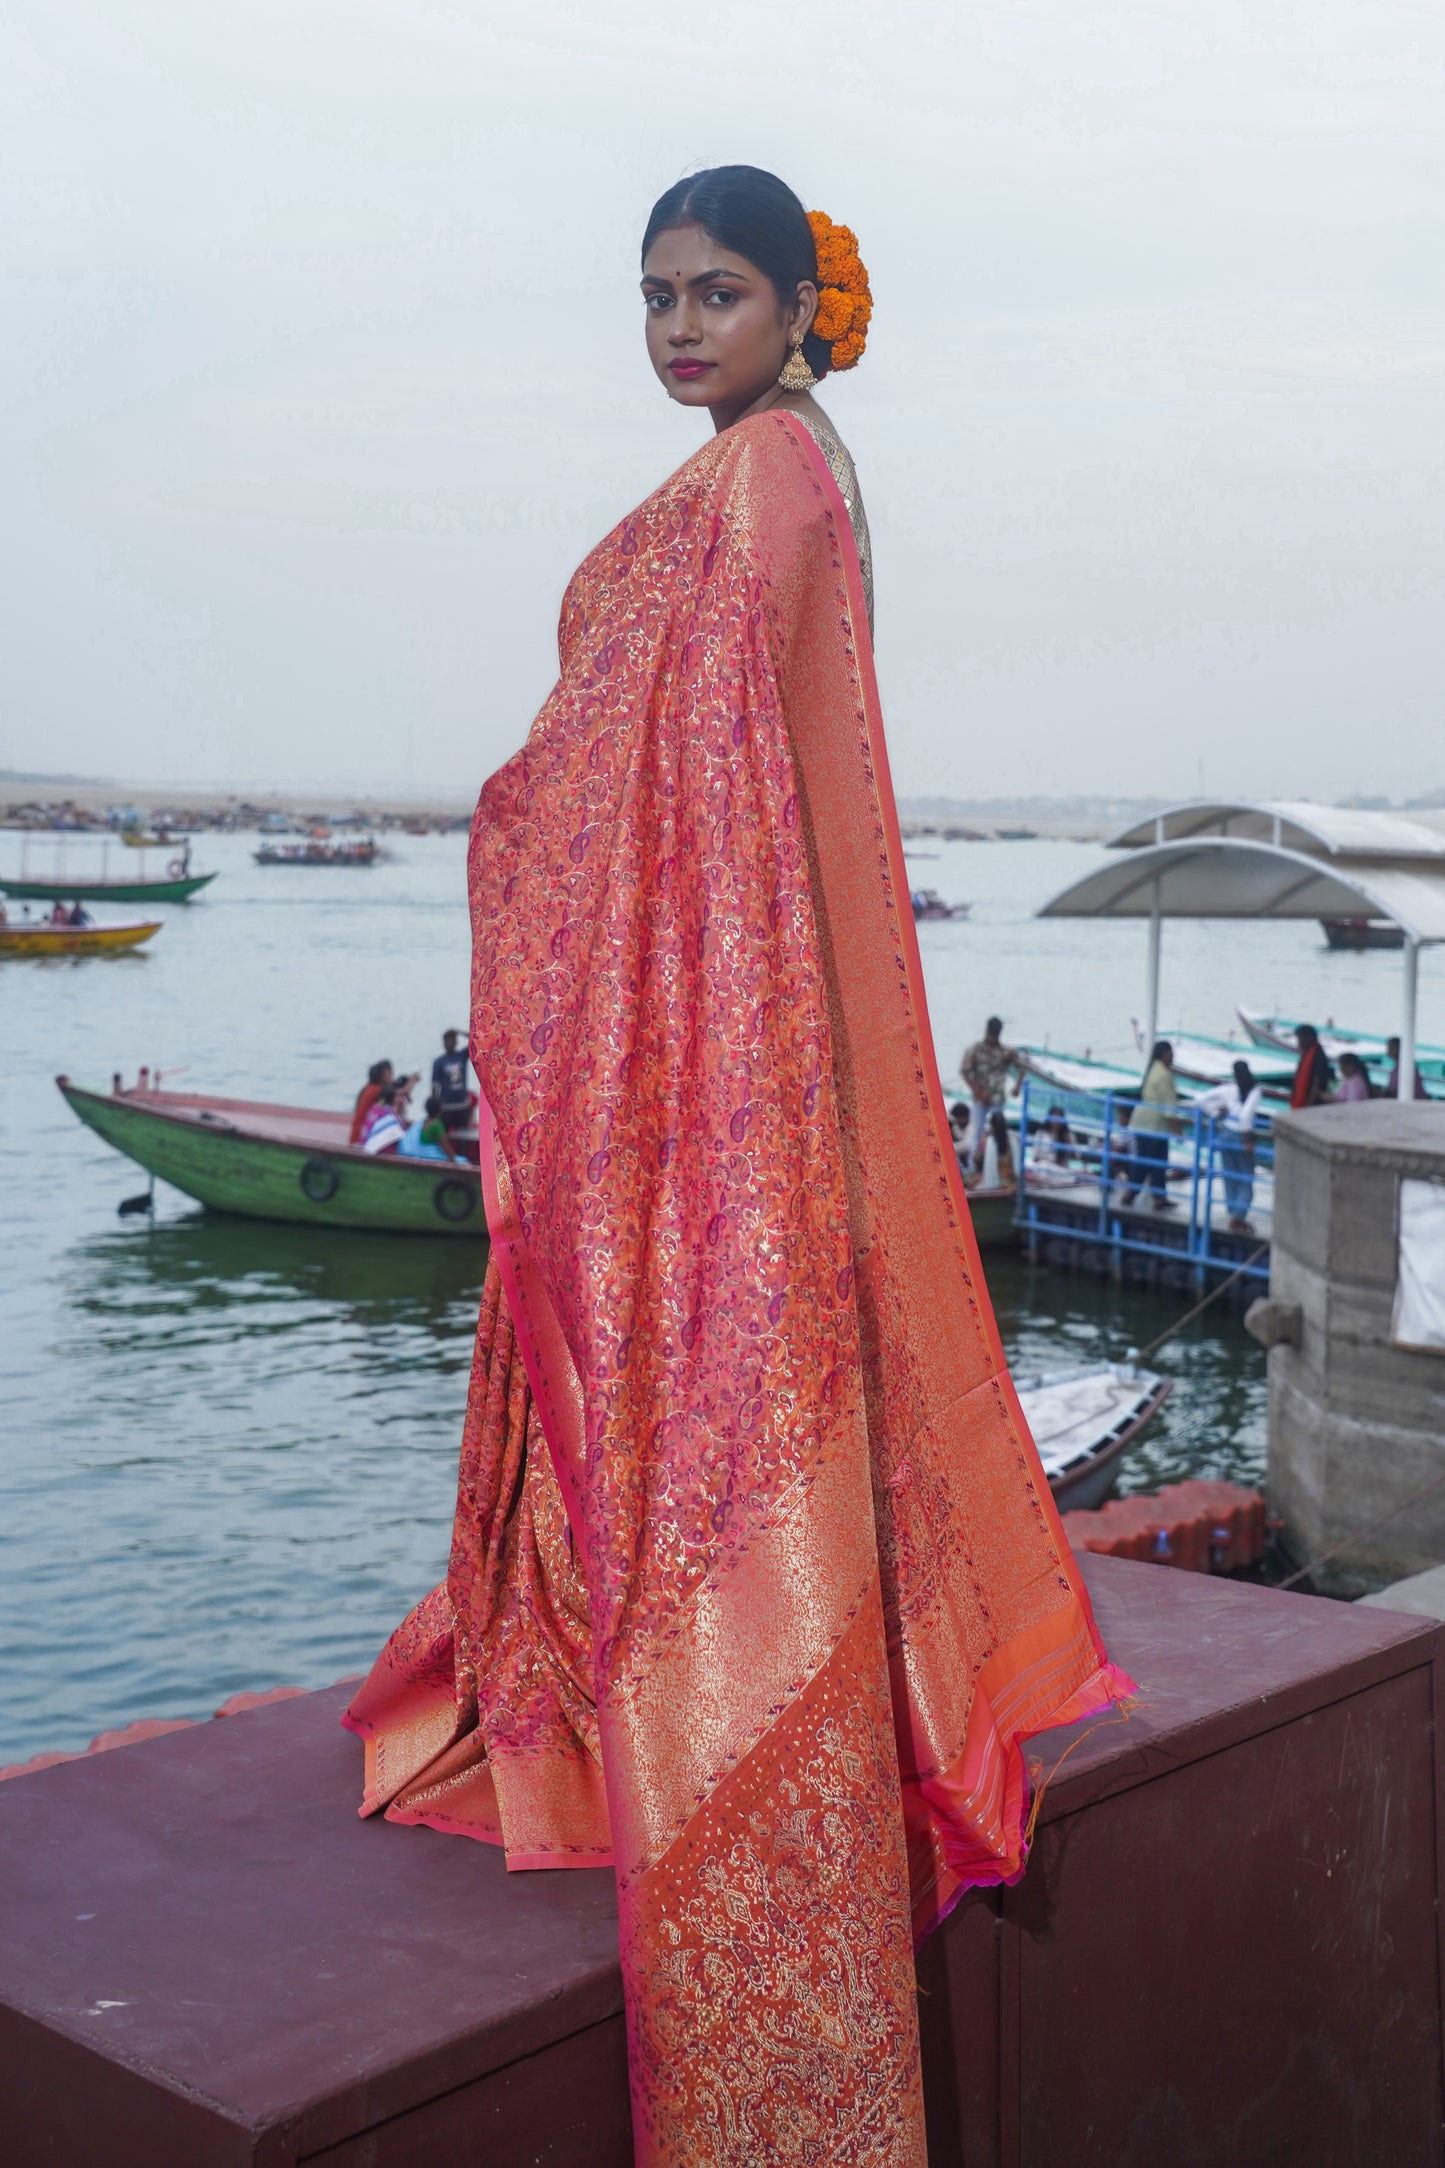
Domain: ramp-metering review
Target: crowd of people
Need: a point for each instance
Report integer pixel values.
(60, 914)
(382, 1120)
(1144, 1124)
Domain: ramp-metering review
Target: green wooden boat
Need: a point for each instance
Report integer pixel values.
(281, 1163)
(99, 890)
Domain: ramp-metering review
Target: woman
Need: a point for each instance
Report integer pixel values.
(427, 1137)
(1313, 1075)
(1154, 1122)
(383, 1128)
(1235, 1106)
(1354, 1080)
(755, 1584)
(1055, 1142)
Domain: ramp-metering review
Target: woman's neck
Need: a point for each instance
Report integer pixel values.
(791, 402)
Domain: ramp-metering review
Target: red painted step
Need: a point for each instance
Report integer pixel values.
(1204, 1526)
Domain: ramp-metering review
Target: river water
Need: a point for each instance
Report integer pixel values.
(229, 1448)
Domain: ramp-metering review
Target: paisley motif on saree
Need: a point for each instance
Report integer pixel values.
(756, 1585)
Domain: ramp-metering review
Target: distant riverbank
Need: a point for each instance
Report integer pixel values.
(71, 805)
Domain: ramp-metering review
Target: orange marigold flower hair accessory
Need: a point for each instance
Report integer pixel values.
(845, 302)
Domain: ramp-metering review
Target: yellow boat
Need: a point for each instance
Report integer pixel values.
(35, 938)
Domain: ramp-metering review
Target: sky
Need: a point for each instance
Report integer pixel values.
(323, 369)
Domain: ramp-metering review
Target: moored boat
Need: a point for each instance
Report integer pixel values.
(1082, 1421)
(928, 904)
(280, 1163)
(320, 851)
(1363, 933)
(75, 873)
(1336, 1039)
(36, 937)
(1206, 1061)
(179, 889)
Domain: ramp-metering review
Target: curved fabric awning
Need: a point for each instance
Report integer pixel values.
(1289, 824)
(1235, 877)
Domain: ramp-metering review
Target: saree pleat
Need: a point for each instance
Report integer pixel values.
(756, 1584)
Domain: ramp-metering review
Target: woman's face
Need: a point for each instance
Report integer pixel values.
(717, 333)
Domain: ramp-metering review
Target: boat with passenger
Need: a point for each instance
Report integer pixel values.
(320, 850)
(281, 1162)
(928, 904)
(75, 871)
(1281, 1032)
(41, 937)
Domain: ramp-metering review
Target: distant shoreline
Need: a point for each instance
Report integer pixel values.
(33, 806)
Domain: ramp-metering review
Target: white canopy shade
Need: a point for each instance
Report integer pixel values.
(1327, 830)
(1221, 877)
(1206, 873)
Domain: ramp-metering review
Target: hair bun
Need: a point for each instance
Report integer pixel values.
(845, 301)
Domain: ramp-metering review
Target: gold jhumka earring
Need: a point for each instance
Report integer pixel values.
(795, 374)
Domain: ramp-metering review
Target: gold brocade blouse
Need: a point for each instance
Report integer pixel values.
(845, 474)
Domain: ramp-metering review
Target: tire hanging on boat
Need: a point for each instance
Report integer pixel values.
(319, 1179)
(454, 1199)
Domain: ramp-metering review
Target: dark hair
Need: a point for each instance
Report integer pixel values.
(1244, 1077)
(755, 215)
(1163, 1050)
(1306, 1036)
(994, 1024)
(377, 1071)
(433, 1104)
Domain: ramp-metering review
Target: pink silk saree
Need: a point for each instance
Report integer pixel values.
(756, 1585)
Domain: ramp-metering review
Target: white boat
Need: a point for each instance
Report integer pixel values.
(1082, 1420)
(1206, 1061)
(1279, 1032)
(1077, 1072)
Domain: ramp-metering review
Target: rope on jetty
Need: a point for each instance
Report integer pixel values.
(1138, 1354)
(1368, 1529)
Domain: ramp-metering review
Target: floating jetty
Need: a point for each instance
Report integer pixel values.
(1082, 1207)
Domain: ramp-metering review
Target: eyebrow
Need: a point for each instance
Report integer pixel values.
(704, 278)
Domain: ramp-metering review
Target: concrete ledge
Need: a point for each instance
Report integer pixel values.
(1224, 1950)
(1421, 1594)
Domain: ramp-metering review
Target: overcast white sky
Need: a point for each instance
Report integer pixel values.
(323, 367)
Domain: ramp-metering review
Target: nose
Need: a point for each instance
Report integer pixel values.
(684, 330)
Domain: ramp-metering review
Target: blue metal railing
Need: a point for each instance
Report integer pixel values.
(1099, 1171)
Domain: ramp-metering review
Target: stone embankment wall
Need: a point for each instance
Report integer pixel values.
(1355, 1424)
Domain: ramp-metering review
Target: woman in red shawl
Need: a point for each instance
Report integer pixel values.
(756, 1584)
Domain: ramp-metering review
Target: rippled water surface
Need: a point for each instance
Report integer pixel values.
(229, 1448)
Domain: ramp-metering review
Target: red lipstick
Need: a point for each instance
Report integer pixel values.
(688, 370)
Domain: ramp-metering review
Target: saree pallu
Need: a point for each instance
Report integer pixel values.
(756, 1584)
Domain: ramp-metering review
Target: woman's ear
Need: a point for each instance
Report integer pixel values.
(804, 309)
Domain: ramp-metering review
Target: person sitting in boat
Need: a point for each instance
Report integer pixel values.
(449, 1083)
(1055, 1141)
(1392, 1085)
(426, 1137)
(1235, 1106)
(1315, 1075)
(384, 1129)
(1354, 1081)
(378, 1076)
